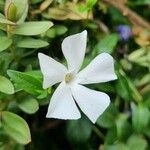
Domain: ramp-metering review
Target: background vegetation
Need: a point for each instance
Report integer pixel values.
(118, 27)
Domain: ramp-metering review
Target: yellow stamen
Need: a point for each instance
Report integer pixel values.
(68, 77)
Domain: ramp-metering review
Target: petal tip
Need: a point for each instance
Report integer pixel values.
(44, 87)
(84, 32)
(40, 55)
(115, 77)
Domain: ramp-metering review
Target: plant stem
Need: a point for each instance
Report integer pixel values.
(99, 133)
(13, 52)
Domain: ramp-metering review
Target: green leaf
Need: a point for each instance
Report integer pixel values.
(137, 142)
(32, 43)
(121, 146)
(134, 92)
(3, 27)
(60, 29)
(107, 119)
(79, 131)
(56, 31)
(90, 3)
(107, 44)
(140, 57)
(122, 87)
(140, 117)
(35, 73)
(116, 146)
(5, 42)
(105, 87)
(5, 61)
(6, 86)
(5, 21)
(123, 127)
(125, 88)
(111, 135)
(28, 105)
(32, 28)
(21, 9)
(26, 82)
(11, 12)
(16, 127)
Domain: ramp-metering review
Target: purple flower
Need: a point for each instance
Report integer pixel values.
(124, 32)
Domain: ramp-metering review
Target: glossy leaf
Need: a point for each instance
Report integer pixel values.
(5, 21)
(28, 105)
(123, 127)
(140, 117)
(11, 12)
(32, 28)
(16, 127)
(21, 9)
(26, 82)
(137, 142)
(107, 44)
(5, 42)
(32, 43)
(56, 31)
(6, 86)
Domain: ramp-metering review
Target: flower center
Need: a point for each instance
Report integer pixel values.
(68, 77)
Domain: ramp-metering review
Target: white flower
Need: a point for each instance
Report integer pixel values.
(71, 92)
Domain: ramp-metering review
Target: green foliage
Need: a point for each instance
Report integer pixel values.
(6, 86)
(140, 117)
(29, 105)
(5, 42)
(123, 127)
(32, 28)
(56, 31)
(24, 81)
(32, 43)
(11, 12)
(82, 133)
(16, 127)
(137, 142)
(5, 21)
(108, 119)
(16, 9)
(107, 44)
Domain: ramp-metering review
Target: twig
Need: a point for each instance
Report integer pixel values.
(134, 18)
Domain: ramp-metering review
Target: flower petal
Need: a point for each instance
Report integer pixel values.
(101, 69)
(73, 48)
(62, 104)
(91, 102)
(53, 72)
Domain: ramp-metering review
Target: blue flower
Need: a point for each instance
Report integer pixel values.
(124, 32)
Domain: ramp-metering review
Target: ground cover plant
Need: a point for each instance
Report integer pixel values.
(32, 31)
